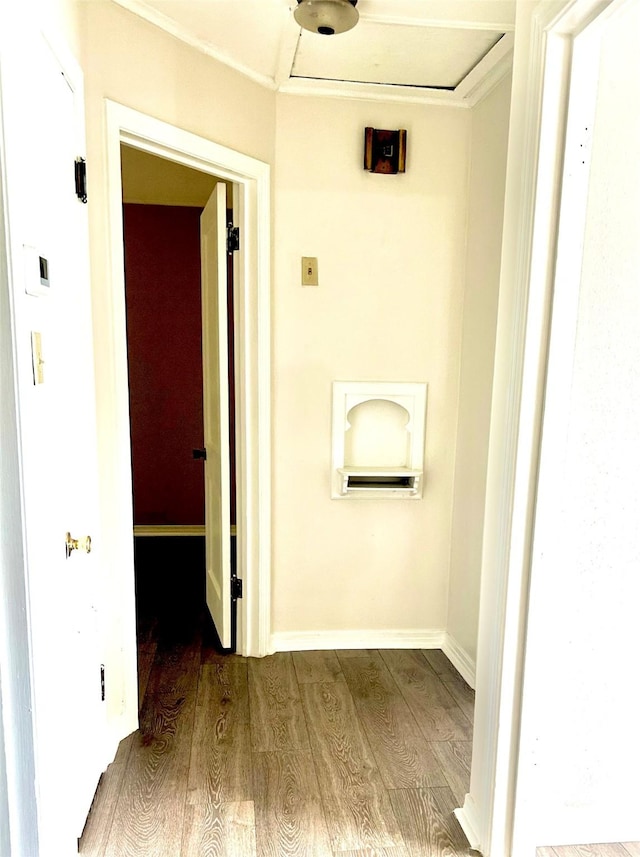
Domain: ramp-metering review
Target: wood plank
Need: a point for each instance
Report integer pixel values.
(98, 826)
(218, 830)
(175, 670)
(632, 848)
(463, 695)
(355, 801)
(426, 823)
(612, 849)
(277, 720)
(353, 653)
(404, 758)
(146, 657)
(435, 710)
(150, 811)
(316, 666)
(398, 851)
(221, 747)
(455, 759)
(289, 815)
(546, 852)
(440, 664)
(447, 803)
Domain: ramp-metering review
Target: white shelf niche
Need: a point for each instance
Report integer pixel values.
(378, 437)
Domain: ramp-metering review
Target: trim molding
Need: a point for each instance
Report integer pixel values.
(472, 89)
(465, 665)
(252, 185)
(536, 140)
(468, 821)
(173, 530)
(300, 641)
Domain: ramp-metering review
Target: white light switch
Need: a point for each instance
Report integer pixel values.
(309, 271)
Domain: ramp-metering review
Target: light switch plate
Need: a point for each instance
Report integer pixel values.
(37, 358)
(309, 271)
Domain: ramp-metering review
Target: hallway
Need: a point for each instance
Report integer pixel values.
(306, 753)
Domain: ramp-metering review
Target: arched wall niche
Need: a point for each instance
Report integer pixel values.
(378, 435)
(378, 440)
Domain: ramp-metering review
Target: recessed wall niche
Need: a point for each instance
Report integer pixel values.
(378, 440)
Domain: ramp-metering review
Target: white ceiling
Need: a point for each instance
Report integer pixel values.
(444, 51)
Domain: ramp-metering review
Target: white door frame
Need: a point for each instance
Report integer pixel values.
(18, 810)
(541, 81)
(251, 180)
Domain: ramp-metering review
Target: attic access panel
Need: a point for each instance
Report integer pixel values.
(396, 54)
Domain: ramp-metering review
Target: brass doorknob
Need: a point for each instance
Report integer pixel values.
(81, 544)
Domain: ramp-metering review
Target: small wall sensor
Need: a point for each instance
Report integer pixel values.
(36, 273)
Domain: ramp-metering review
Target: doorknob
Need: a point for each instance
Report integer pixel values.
(81, 544)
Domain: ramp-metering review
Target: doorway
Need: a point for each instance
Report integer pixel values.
(251, 202)
(163, 204)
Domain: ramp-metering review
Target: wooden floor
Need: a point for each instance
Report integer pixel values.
(313, 754)
(612, 849)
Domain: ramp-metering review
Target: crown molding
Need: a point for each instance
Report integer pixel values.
(480, 81)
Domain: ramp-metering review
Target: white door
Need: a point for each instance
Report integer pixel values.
(213, 250)
(43, 133)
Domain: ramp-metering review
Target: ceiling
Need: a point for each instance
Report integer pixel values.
(430, 51)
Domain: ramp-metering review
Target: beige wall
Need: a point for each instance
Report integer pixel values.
(388, 307)
(489, 129)
(130, 61)
(149, 180)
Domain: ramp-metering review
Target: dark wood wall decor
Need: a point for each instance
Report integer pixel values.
(385, 151)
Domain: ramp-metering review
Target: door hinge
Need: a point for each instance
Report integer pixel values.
(233, 238)
(200, 453)
(81, 179)
(102, 690)
(236, 588)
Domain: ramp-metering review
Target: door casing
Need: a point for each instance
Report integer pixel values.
(540, 95)
(251, 183)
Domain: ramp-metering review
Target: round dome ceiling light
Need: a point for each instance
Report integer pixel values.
(327, 17)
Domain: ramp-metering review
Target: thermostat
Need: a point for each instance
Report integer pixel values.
(36, 273)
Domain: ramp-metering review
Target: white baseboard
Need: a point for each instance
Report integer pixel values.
(465, 665)
(467, 819)
(299, 641)
(173, 530)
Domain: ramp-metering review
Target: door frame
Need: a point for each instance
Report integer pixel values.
(539, 106)
(252, 326)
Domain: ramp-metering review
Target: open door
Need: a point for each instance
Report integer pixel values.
(213, 251)
(43, 130)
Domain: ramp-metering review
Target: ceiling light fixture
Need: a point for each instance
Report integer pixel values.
(327, 17)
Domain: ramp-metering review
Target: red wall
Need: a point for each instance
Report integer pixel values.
(162, 265)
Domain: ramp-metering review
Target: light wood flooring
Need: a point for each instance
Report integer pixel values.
(312, 754)
(612, 849)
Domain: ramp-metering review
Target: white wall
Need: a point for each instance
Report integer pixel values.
(388, 307)
(489, 131)
(580, 749)
(129, 61)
